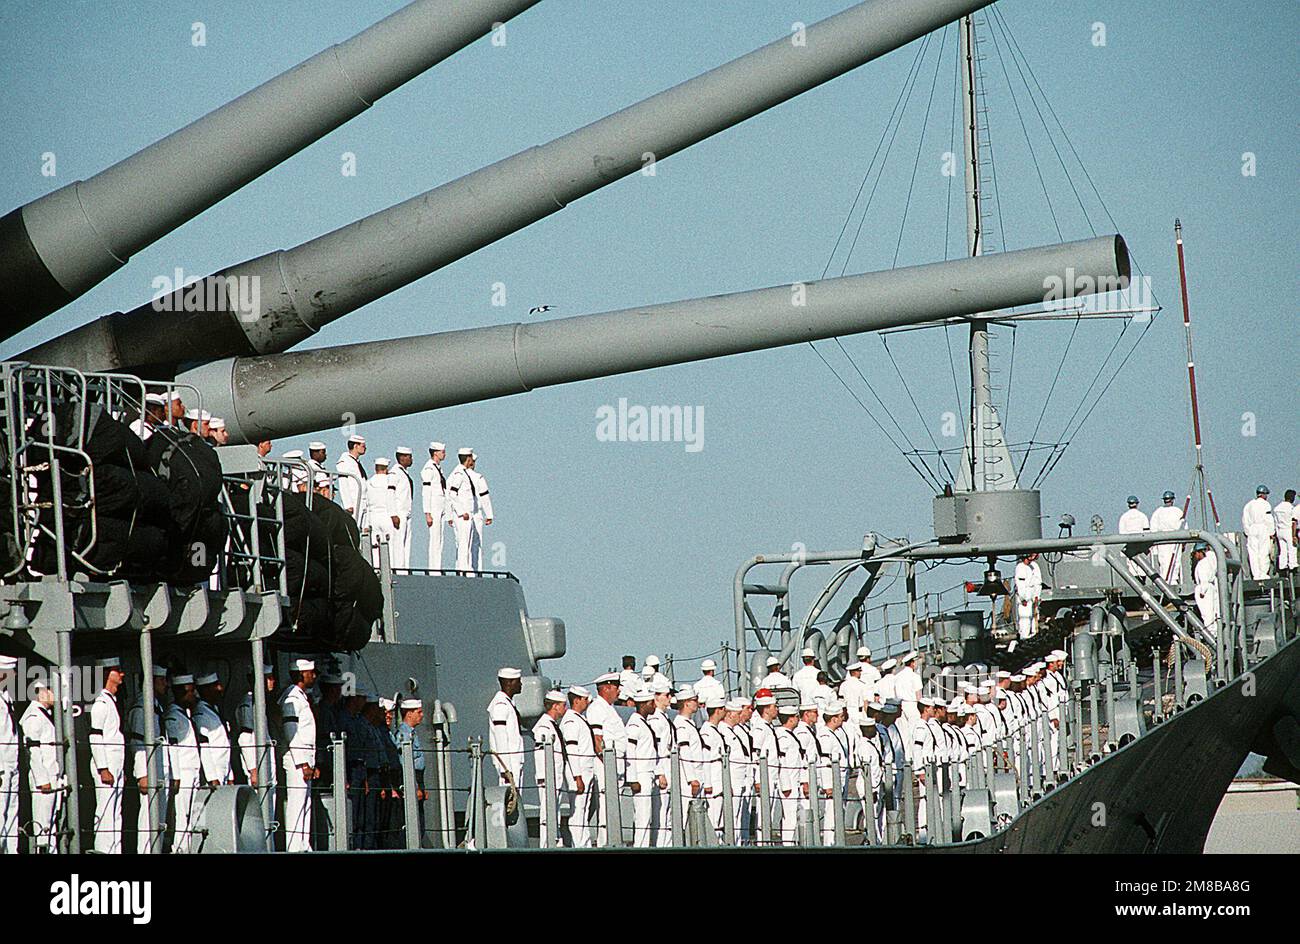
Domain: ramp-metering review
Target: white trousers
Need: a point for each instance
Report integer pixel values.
(399, 547)
(435, 544)
(146, 842)
(297, 812)
(790, 806)
(469, 547)
(186, 807)
(1258, 549)
(1286, 554)
(1025, 618)
(9, 811)
(580, 821)
(1208, 606)
(644, 805)
(382, 533)
(663, 819)
(1169, 562)
(45, 811)
(108, 815)
(744, 805)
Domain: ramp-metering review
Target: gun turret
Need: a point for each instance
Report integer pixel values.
(60, 245)
(272, 396)
(300, 290)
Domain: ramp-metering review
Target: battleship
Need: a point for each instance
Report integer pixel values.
(100, 533)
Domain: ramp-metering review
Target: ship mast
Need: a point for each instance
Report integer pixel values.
(1199, 486)
(986, 462)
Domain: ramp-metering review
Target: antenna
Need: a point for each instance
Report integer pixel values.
(1198, 486)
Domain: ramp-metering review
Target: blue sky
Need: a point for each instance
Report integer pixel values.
(635, 544)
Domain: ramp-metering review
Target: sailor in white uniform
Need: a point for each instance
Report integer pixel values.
(352, 479)
(907, 689)
(609, 731)
(505, 739)
(831, 750)
(485, 515)
(665, 738)
(299, 755)
(740, 753)
(247, 739)
(9, 740)
(402, 497)
(871, 759)
(580, 744)
(1029, 592)
(317, 454)
(643, 780)
(1284, 514)
(145, 841)
(1168, 557)
(108, 758)
(1205, 574)
(806, 678)
(214, 733)
(381, 511)
(708, 687)
(885, 684)
(468, 513)
(433, 491)
(690, 747)
(870, 674)
(183, 749)
(1260, 529)
(854, 693)
(791, 769)
(715, 745)
(775, 678)
(45, 768)
(1133, 521)
(548, 737)
(155, 409)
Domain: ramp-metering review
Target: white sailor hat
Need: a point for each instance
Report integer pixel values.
(708, 665)
(159, 671)
(109, 662)
(716, 702)
(909, 656)
(216, 423)
(642, 695)
(464, 451)
(196, 414)
(955, 704)
(736, 704)
(866, 721)
(854, 667)
(764, 699)
(1004, 675)
(8, 662)
(292, 454)
(864, 652)
(316, 446)
(927, 701)
(1056, 655)
(833, 707)
(773, 660)
(509, 673)
(154, 399)
(609, 678)
(985, 687)
(577, 691)
(888, 664)
(435, 446)
(788, 710)
(967, 687)
(207, 679)
(1017, 677)
(185, 679)
(382, 460)
(807, 654)
(174, 395)
(303, 665)
(647, 671)
(661, 687)
(403, 450)
(686, 693)
(410, 704)
(809, 706)
(356, 439)
(387, 704)
(652, 660)
(964, 710)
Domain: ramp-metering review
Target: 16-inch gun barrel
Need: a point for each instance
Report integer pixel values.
(302, 289)
(272, 396)
(62, 244)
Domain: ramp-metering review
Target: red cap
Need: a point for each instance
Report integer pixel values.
(763, 693)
